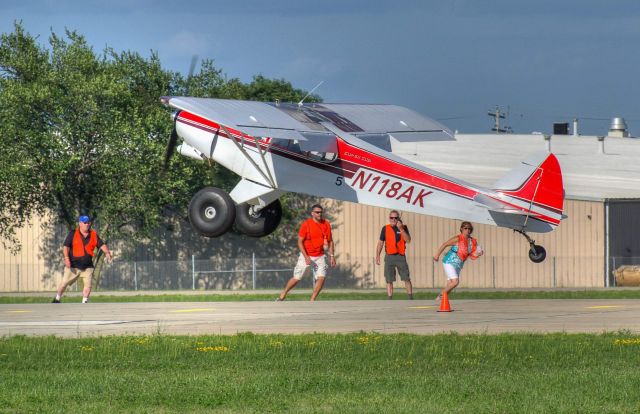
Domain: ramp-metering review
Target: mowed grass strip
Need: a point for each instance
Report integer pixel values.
(363, 372)
(611, 293)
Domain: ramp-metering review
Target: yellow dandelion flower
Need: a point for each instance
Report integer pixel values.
(86, 348)
(363, 340)
(629, 341)
(141, 341)
(212, 349)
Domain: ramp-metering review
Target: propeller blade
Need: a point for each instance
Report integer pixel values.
(171, 147)
(192, 68)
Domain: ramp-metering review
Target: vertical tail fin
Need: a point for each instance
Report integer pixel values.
(537, 186)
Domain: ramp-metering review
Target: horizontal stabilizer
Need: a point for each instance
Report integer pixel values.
(496, 206)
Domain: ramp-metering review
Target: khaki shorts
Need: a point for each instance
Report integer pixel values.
(72, 274)
(318, 264)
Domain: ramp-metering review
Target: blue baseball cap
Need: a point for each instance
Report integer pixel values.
(84, 219)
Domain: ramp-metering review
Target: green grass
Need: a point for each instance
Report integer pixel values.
(363, 373)
(612, 293)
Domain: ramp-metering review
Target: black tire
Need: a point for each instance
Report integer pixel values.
(261, 224)
(212, 212)
(538, 255)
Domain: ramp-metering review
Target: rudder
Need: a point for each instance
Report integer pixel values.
(538, 182)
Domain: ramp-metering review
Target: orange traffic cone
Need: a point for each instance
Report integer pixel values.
(444, 303)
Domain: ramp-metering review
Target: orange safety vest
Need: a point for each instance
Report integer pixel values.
(463, 248)
(391, 246)
(78, 248)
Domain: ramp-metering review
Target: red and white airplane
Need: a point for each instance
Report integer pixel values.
(343, 151)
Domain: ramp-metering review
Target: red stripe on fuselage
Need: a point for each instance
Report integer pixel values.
(376, 162)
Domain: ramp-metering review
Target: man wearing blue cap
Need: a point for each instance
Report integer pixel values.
(78, 249)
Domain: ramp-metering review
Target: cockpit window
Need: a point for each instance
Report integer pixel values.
(294, 146)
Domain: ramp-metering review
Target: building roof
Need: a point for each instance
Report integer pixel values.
(587, 172)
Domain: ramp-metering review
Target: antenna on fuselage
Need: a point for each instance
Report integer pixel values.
(309, 93)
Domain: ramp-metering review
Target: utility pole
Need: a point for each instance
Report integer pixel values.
(497, 115)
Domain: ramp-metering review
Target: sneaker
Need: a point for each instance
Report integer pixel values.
(55, 300)
(279, 299)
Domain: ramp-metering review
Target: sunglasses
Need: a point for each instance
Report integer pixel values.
(467, 228)
(317, 212)
(393, 218)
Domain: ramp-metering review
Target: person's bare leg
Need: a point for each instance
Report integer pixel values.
(389, 290)
(409, 287)
(85, 294)
(61, 288)
(451, 284)
(67, 280)
(317, 288)
(290, 285)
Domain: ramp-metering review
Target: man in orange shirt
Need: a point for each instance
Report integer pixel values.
(314, 240)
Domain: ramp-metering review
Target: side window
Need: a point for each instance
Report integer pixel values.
(287, 144)
(322, 156)
(294, 146)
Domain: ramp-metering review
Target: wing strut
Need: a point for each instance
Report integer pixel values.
(267, 177)
(264, 161)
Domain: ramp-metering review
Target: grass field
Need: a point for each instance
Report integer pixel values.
(363, 373)
(334, 295)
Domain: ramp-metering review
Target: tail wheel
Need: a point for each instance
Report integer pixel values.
(212, 212)
(258, 223)
(537, 253)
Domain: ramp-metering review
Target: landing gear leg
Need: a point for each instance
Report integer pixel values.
(537, 253)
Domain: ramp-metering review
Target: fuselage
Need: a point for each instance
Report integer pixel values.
(358, 172)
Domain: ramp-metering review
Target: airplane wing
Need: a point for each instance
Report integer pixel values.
(373, 123)
(253, 118)
(397, 122)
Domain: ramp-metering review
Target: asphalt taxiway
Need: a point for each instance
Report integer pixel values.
(290, 317)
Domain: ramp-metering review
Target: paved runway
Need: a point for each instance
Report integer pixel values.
(418, 317)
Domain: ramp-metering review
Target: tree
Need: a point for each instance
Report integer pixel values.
(86, 133)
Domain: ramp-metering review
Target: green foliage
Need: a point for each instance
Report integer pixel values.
(85, 132)
(357, 372)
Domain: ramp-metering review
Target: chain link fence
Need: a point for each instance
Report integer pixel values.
(352, 272)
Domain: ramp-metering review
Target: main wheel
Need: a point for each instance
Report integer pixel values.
(211, 212)
(258, 224)
(538, 255)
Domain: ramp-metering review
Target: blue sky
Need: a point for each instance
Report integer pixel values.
(542, 61)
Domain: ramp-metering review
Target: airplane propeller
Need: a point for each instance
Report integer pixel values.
(171, 146)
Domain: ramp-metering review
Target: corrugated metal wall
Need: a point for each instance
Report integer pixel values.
(28, 270)
(575, 252)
